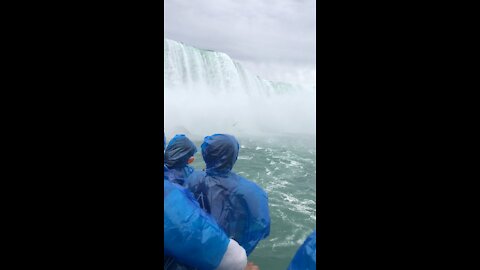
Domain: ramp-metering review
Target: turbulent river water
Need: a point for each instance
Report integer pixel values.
(285, 169)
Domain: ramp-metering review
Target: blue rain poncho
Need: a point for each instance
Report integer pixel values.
(191, 237)
(305, 258)
(178, 151)
(238, 205)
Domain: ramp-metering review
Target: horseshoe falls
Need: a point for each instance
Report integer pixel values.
(208, 92)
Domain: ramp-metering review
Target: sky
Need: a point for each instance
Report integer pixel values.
(275, 39)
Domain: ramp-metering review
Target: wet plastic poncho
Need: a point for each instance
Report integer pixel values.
(238, 205)
(305, 258)
(178, 151)
(188, 230)
(191, 237)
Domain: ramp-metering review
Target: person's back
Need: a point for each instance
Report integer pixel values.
(178, 154)
(238, 205)
(305, 257)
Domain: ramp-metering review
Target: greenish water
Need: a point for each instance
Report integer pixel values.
(286, 169)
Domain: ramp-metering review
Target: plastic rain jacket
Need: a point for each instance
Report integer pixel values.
(192, 239)
(238, 205)
(178, 151)
(190, 235)
(305, 258)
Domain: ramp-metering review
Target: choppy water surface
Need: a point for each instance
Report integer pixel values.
(285, 169)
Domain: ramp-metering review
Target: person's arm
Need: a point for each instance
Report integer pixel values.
(235, 257)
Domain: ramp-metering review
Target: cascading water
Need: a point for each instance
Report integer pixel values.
(208, 92)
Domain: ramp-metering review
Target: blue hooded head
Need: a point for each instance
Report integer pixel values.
(178, 151)
(220, 152)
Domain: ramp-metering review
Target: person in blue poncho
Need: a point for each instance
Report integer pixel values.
(305, 258)
(178, 154)
(192, 239)
(238, 205)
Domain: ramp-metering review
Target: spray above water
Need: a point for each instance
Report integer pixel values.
(207, 92)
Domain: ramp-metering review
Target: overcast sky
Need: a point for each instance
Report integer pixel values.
(273, 38)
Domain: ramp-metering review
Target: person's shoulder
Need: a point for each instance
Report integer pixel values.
(169, 187)
(247, 185)
(195, 177)
(197, 174)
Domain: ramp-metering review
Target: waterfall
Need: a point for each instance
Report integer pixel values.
(208, 92)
